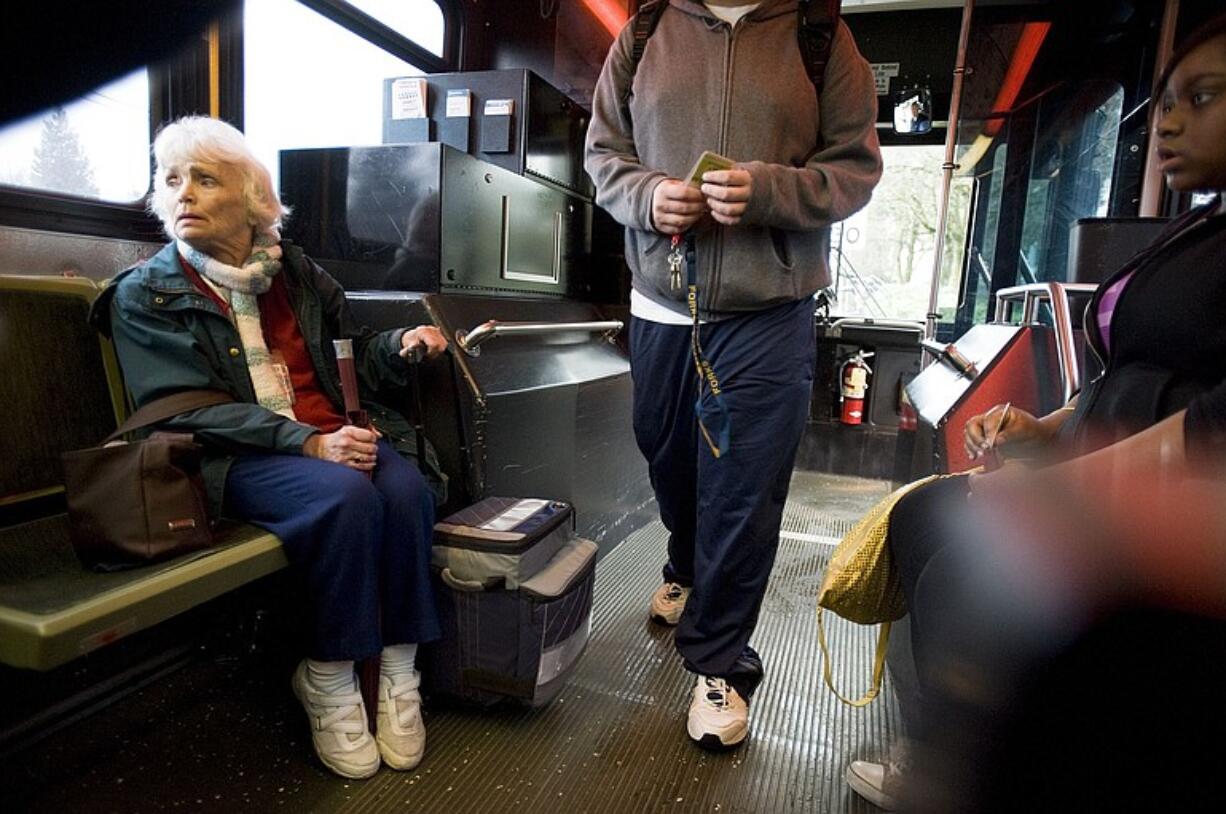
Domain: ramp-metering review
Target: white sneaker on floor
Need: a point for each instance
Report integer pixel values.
(668, 602)
(718, 717)
(338, 728)
(879, 782)
(399, 729)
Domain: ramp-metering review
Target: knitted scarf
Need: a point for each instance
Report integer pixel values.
(244, 286)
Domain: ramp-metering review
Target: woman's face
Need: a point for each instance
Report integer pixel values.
(1191, 127)
(209, 209)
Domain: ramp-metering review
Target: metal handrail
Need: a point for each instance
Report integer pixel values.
(1057, 294)
(470, 342)
(836, 327)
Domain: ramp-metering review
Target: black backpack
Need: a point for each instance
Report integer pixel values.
(816, 21)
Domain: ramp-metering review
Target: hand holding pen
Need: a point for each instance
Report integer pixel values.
(991, 429)
(992, 459)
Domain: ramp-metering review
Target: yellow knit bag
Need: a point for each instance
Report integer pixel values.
(861, 585)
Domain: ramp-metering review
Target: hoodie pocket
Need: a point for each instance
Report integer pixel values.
(780, 247)
(653, 242)
(651, 260)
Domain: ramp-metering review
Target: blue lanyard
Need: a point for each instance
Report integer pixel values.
(717, 414)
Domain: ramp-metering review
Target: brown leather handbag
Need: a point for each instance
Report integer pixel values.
(138, 502)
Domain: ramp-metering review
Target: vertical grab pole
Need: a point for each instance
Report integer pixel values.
(947, 171)
(1152, 186)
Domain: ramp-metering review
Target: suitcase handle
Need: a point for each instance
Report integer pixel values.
(469, 585)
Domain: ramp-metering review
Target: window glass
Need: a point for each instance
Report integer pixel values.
(881, 258)
(1070, 175)
(94, 147)
(325, 91)
(419, 20)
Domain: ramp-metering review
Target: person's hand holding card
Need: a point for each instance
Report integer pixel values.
(725, 188)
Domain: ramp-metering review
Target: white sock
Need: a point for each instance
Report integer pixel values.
(331, 677)
(396, 662)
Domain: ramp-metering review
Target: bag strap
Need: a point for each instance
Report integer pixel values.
(645, 21)
(883, 639)
(169, 407)
(815, 26)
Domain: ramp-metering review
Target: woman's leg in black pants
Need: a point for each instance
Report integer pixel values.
(922, 526)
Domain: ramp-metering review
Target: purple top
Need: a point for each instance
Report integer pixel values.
(1106, 307)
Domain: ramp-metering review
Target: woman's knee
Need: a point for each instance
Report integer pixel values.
(403, 486)
(351, 493)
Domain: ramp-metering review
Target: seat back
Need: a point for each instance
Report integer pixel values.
(59, 382)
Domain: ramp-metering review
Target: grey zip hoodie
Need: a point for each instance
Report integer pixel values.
(742, 92)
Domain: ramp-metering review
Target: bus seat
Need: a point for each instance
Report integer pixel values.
(62, 390)
(58, 390)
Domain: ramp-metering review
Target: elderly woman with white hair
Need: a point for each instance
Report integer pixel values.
(227, 305)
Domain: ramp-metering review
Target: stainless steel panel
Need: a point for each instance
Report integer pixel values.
(27, 251)
(425, 217)
(533, 415)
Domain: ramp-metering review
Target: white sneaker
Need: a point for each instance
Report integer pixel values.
(879, 782)
(719, 717)
(338, 728)
(668, 602)
(399, 729)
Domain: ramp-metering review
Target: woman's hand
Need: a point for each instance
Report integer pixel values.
(675, 206)
(727, 193)
(427, 338)
(352, 446)
(996, 428)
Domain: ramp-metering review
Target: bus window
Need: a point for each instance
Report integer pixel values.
(881, 257)
(419, 20)
(95, 147)
(1070, 174)
(1066, 144)
(328, 89)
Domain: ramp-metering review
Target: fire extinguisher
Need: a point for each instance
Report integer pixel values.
(853, 381)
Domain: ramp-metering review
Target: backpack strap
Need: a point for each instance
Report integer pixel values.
(816, 21)
(645, 21)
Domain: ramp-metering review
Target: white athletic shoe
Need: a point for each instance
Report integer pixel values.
(338, 728)
(400, 732)
(668, 602)
(719, 717)
(879, 782)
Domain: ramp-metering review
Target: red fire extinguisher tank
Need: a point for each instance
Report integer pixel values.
(853, 380)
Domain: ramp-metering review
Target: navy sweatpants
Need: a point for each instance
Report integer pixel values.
(362, 545)
(723, 514)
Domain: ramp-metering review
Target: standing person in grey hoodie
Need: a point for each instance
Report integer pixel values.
(721, 388)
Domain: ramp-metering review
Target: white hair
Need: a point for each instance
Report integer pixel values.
(200, 138)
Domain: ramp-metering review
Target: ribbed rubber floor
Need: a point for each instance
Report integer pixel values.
(615, 740)
(224, 734)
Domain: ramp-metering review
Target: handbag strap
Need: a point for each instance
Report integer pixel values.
(883, 639)
(169, 407)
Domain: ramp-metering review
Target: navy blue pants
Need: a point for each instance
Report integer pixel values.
(723, 514)
(362, 545)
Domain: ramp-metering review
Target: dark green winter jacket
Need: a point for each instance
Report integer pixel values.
(170, 337)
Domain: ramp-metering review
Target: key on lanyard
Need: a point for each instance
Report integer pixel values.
(675, 258)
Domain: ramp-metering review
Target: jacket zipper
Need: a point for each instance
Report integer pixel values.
(717, 249)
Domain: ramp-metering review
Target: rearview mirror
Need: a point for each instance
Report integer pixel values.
(913, 111)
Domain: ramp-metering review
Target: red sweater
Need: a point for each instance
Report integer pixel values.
(284, 338)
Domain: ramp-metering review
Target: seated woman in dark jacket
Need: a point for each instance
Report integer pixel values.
(229, 306)
(1155, 402)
